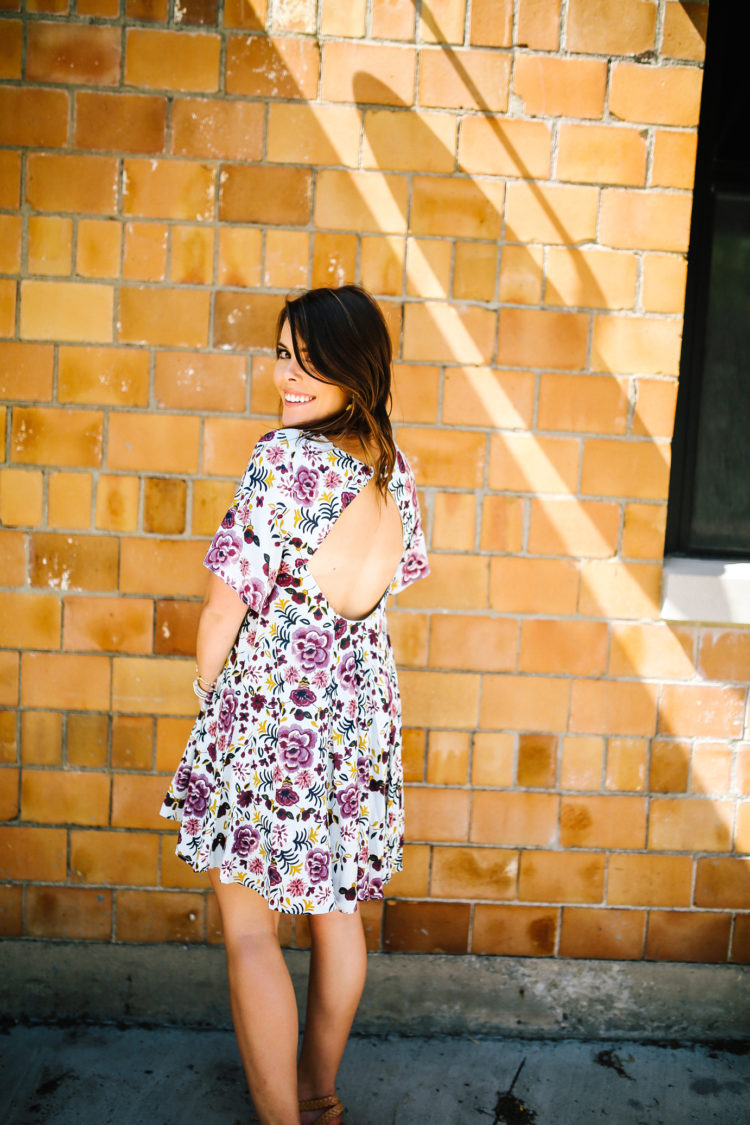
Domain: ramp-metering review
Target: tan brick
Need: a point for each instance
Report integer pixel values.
(287, 259)
(76, 54)
(214, 129)
(98, 248)
(626, 764)
(57, 797)
(153, 11)
(9, 793)
(117, 503)
(414, 753)
(348, 21)
(408, 633)
(701, 711)
(725, 655)
(454, 458)
(655, 407)
(159, 916)
(557, 877)
(415, 393)
(649, 880)
(172, 60)
(192, 255)
(645, 220)
(611, 27)
(33, 853)
(684, 30)
(669, 767)
(110, 376)
(687, 936)
(85, 184)
(610, 934)
(454, 521)
(474, 79)
(266, 195)
(603, 822)
(566, 647)
(368, 201)
(381, 264)
(601, 154)
(521, 275)
(197, 381)
(8, 300)
(579, 528)
(68, 912)
(527, 463)
(145, 255)
(210, 500)
(722, 883)
(171, 736)
(9, 680)
(435, 331)
(673, 163)
(491, 23)
(171, 317)
(581, 763)
(643, 532)
(741, 940)
(10, 178)
(638, 469)
(108, 624)
(413, 881)
(335, 260)
(10, 243)
(711, 770)
(597, 404)
(132, 742)
(455, 582)
(21, 497)
(524, 703)
(591, 278)
(410, 141)
(49, 436)
(560, 87)
(459, 208)
(228, 443)
(663, 285)
(558, 213)
(502, 524)
(493, 146)
(41, 738)
(492, 759)
(26, 371)
(31, 117)
(393, 19)
(475, 271)
(176, 873)
(102, 857)
(440, 699)
(70, 562)
(612, 589)
(163, 566)
(159, 443)
(483, 644)
(87, 741)
(537, 761)
(474, 873)
(168, 189)
(65, 681)
(692, 825)
(519, 585)
(742, 828)
(240, 252)
(521, 931)
(656, 95)
(442, 21)
(266, 67)
(66, 310)
(448, 757)
(120, 122)
(482, 396)
(539, 24)
(310, 134)
(537, 338)
(30, 620)
(437, 814)
(164, 506)
(426, 927)
(651, 651)
(50, 245)
(612, 707)
(368, 72)
(156, 686)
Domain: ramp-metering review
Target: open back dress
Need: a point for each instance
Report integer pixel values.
(291, 782)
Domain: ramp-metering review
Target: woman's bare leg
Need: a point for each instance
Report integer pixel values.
(264, 1008)
(338, 965)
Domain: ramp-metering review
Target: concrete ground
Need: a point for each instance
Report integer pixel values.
(84, 1074)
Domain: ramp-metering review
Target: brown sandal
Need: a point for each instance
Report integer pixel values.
(330, 1104)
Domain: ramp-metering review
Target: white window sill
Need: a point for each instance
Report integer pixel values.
(706, 591)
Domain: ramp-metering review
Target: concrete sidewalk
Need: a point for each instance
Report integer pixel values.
(103, 1075)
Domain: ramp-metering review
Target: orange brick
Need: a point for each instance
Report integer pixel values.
(49, 436)
(626, 764)
(245, 321)
(214, 129)
(176, 628)
(643, 532)
(524, 703)
(197, 381)
(475, 271)
(11, 49)
(158, 916)
(437, 814)
(455, 521)
(558, 213)
(567, 647)
(163, 566)
(157, 686)
(539, 24)
(168, 189)
(210, 500)
(742, 776)
(41, 738)
(9, 794)
(574, 527)
(171, 317)
(492, 23)
(455, 458)
(521, 275)
(265, 67)
(287, 259)
(30, 620)
(711, 769)
(98, 248)
(741, 940)
(66, 310)
(537, 338)
(581, 763)
(493, 146)
(448, 757)
(108, 624)
(348, 21)
(21, 496)
(132, 742)
(78, 683)
(473, 79)
(612, 589)
(366, 201)
(725, 655)
(68, 912)
(87, 741)
(192, 255)
(681, 825)
(368, 72)
(603, 822)
(440, 699)
(413, 754)
(8, 299)
(610, 934)
(625, 468)
(492, 759)
(31, 118)
(85, 184)
(110, 376)
(527, 463)
(502, 524)
(102, 857)
(474, 873)
(685, 936)
(655, 407)
(413, 881)
(10, 179)
(537, 761)
(558, 877)
(591, 278)
(435, 331)
(673, 163)
(120, 122)
(663, 285)
(428, 267)
(26, 371)
(701, 711)
(10, 243)
(611, 707)
(176, 873)
(484, 644)
(334, 260)
(266, 195)
(520, 585)
(9, 723)
(107, 9)
(63, 797)
(553, 87)
(228, 443)
(601, 154)
(145, 256)
(136, 800)
(9, 679)
(459, 208)
(171, 736)
(652, 651)
(426, 927)
(33, 853)
(645, 880)
(684, 31)
(520, 931)
(415, 393)
(393, 19)
(299, 16)
(78, 54)
(742, 828)
(240, 251)
(164, 503)
(442, 21)
(651, 220)
(481, 396)
(632, 344)
(723, 883)
(172, 60)
(11, 911)
(117, 503)
(611, 27)
(152, 10)
(598, 404)
(312, 134)
(455, 582)
(656, 95)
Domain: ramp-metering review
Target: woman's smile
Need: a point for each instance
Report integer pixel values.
(305, 400)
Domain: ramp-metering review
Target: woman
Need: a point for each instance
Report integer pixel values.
(290, 788)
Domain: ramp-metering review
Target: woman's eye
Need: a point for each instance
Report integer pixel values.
(282, 353)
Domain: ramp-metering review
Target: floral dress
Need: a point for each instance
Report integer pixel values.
(291, 782)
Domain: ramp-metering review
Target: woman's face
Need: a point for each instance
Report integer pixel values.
(304, 399)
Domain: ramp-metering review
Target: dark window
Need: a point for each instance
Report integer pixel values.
(709, 491)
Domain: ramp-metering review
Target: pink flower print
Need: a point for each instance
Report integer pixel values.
(198, 795)
(182, 778)
(192, 826)
(414, 566)
(227, 709)
(278, 775)
(317, 865)
(274, 454)
(346, 673)
(246, 840)
(253, 594)
(302, 697)
(306, 484)
(320, 679)
(311, 647)
(304, 779)
(348, 800)
(331, 479)
(296, 887)
(286, 796)
(296, 745)
(346, 499)
(255, 866)
(225, 547)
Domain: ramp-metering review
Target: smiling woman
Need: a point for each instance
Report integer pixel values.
(289, 792)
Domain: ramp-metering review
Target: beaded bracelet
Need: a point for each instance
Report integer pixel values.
(201, 687)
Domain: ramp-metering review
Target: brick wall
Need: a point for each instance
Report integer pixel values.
(512, 179)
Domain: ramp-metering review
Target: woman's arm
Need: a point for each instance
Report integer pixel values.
(222, 614)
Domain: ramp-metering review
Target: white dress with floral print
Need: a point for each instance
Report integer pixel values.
(291, 782)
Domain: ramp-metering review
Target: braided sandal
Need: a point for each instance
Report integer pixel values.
(330, 1104)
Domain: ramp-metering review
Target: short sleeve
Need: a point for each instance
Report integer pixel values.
(246, 550)
(414, 562)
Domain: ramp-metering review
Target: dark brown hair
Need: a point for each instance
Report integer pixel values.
(346, 342)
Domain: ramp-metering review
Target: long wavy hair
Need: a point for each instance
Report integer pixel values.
(345, 341)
